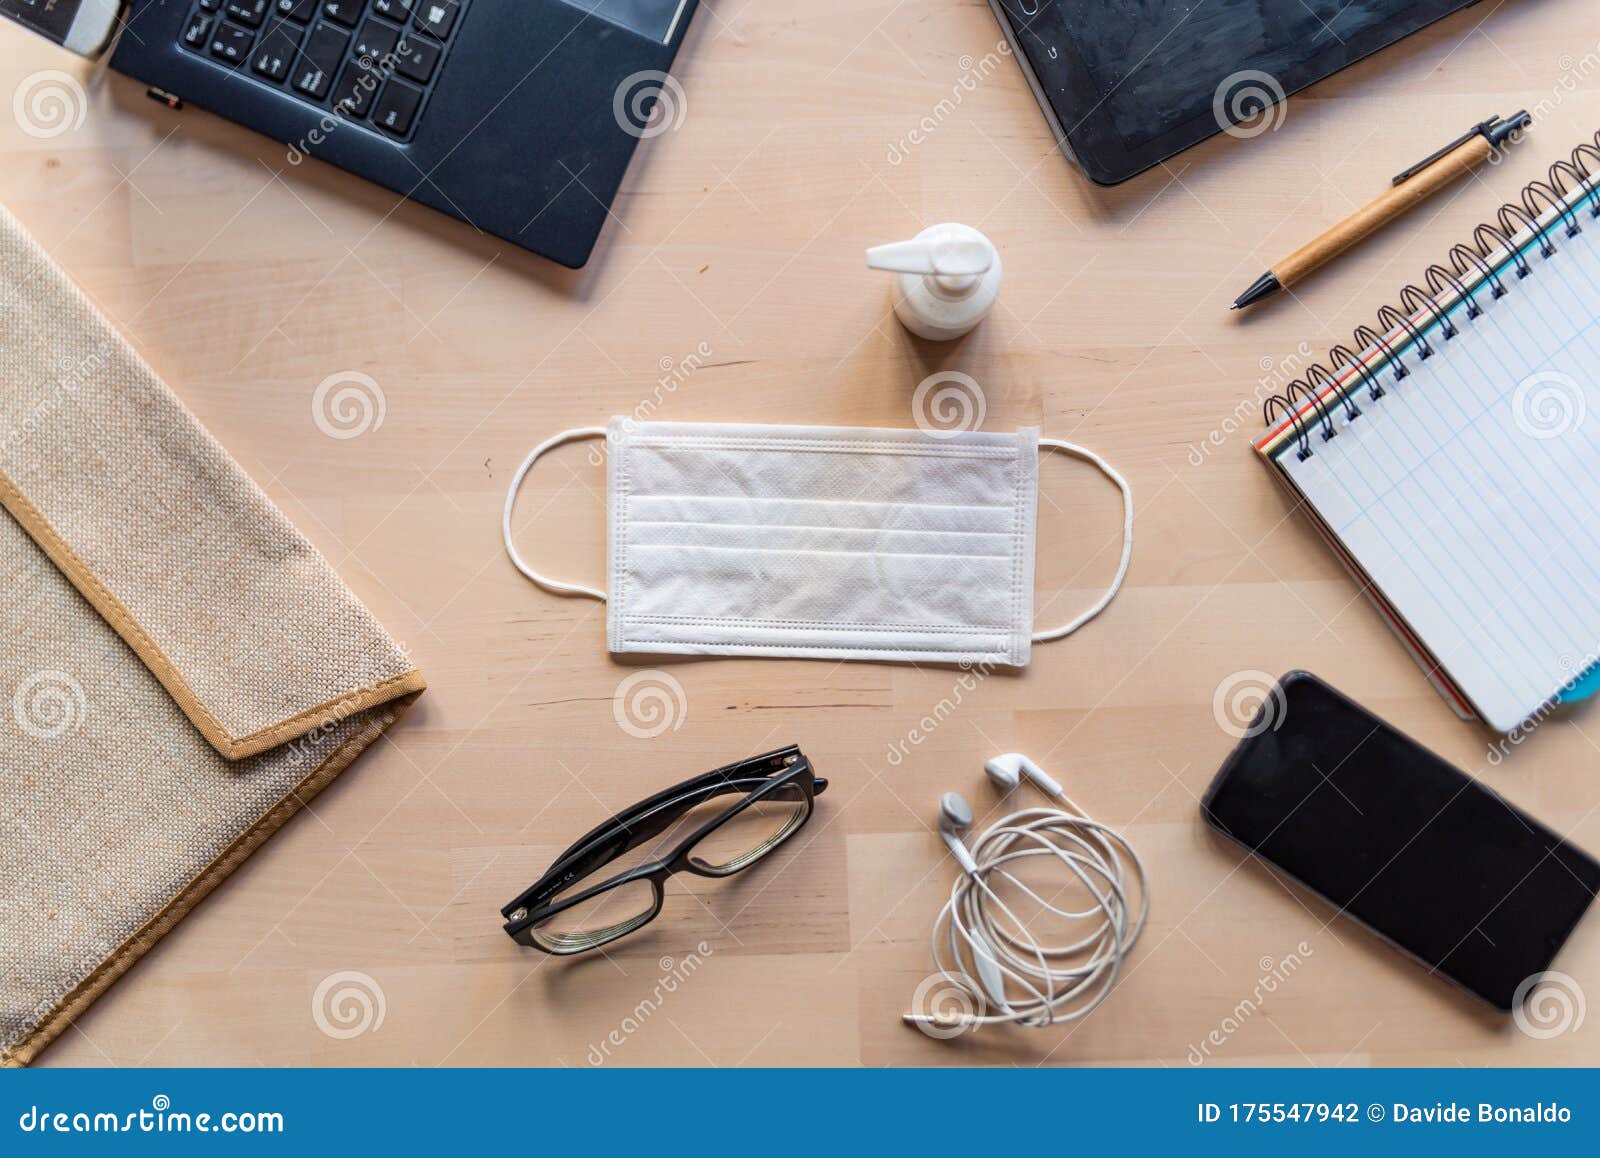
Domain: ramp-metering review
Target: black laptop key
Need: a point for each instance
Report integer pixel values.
(376, 40)
(437, 17)
(197, 32)
(346, 12)
(231, 43)
(275, 55)
(210, 5)
(394, 9)
(319, 60)
(417, 57)
(250, 12)
(397, 107)
(353, 96)
(302, 10)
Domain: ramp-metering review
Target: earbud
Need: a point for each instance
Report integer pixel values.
(1006, 771)
(989, 954)
(955, 817)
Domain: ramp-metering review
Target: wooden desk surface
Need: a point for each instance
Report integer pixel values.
(733, 271)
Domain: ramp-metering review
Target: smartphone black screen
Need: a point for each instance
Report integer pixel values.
(1413, 848)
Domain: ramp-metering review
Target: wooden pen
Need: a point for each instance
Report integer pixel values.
(1410, 188)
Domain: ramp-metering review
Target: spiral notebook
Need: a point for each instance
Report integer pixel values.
(1449, 456)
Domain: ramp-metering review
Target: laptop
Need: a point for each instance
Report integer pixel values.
(518, 117)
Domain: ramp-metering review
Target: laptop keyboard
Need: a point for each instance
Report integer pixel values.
(370, 62)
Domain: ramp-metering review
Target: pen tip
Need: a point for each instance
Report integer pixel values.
(1264, 286)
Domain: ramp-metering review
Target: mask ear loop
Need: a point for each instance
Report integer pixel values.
(1127, 538)
(553, 585)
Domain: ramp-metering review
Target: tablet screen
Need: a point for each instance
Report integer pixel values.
(1166, 58)
(1133, 81)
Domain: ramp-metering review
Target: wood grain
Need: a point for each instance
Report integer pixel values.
(731, 286)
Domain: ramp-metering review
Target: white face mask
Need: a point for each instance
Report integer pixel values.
(820, 541)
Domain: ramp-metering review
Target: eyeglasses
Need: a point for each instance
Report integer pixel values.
(562, 913)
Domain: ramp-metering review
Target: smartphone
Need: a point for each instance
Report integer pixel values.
(1414, 849)
(85, 26)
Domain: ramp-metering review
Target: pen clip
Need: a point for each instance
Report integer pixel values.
(1494, 130)
(1481, 128)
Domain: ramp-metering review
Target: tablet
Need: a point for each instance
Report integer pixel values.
(1125, 84)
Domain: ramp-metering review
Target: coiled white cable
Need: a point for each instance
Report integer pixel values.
(994, 968)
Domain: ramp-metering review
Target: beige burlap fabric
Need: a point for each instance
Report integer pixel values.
(180, 670)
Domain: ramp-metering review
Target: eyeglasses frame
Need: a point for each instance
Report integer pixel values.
(770, 772)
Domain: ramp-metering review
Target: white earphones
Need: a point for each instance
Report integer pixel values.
(1007, 771)
(955, 817)
(994, 960)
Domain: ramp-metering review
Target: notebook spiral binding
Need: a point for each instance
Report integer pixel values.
(1311, 401)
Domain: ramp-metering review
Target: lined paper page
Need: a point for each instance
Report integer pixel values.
(1470, 492)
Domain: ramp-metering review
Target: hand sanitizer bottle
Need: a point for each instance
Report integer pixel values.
(949, 279)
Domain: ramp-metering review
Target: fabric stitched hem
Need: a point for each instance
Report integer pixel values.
(116, 613)
(122, 958)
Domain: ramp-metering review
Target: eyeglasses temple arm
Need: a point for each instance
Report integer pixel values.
(587, 856)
